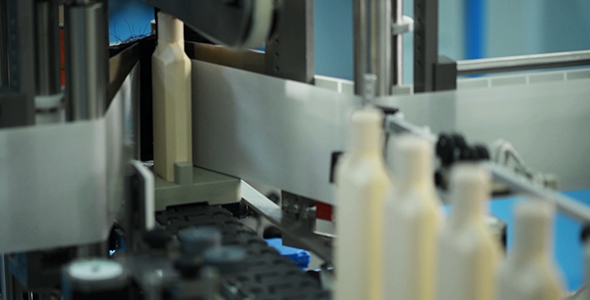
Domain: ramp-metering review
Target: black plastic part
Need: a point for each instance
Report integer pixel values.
(188, 266)
(445, 149)
(333, 163)
(227, 259)
(585, 234)
(157, 238)
(482, 152)
(268, 276)
(272, 232)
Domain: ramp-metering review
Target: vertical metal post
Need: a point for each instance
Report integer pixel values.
(398, 46)
(381, 63)
(7, 287)
(373, 46)
(361, 44)
(87, 43)
(425, 44)
(3, 44)
(290, 54)
(47, 48)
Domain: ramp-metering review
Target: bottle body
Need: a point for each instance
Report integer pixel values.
(412, 225)
(412, 222)
(362, 184)
(468, 253)
(530, 272)
(171, 80)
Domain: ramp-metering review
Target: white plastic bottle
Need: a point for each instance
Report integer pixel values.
(412, 222)
(468, 253)
(529, 272)
(362, 182)
(171, 79)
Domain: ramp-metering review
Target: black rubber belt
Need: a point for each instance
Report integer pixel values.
(268, 276)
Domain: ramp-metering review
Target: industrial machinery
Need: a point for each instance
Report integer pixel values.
(84, 216)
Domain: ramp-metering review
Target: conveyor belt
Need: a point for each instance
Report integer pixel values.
(269, 276)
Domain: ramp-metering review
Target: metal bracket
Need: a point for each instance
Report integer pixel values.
(407, 25)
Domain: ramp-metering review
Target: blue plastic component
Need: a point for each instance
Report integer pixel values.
(301, 258)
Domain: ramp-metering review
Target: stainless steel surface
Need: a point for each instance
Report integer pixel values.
(3, 44)
(67, 186)
(518, 184)
(48, 48)
(565, 204)
(290, 53)
(248, 60)
(361, 43)
(267, 130)
(397, 66)
(86, 61)
(381, 46)
(523, 63)
(321, 246)
(283, 133)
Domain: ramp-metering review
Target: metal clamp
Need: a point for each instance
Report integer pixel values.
(407, 25)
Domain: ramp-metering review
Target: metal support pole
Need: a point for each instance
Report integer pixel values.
(7, 287)
(87, 43)
(3, 44)
(361, 44)
(373, 45)
(47, 48)
(381, 45)
(398, 46)
(425, 44)
(290, 54)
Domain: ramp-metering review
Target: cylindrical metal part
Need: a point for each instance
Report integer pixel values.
(523, 63)
(47, 48)
(397, 46)
(361, 44)
(381, 63)
(4, 71)
(87, 47)
(373, 45)
(195, 241)
(95, 279)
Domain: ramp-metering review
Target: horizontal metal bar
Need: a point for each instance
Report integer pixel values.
(319, 245)
(523, 63)
(517, 183)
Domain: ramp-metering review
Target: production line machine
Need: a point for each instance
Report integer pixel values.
(132, 180)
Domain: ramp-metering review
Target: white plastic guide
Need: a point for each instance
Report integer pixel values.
(171, 79)
(362, 183)
(530, 271)
(413, 222)
(469, 254)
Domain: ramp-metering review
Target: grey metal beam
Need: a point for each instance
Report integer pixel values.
(290, 54)
(425, 44)
(523, 63)
(3, 44)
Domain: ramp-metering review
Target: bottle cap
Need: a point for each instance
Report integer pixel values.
(170, 29)
(470, 190)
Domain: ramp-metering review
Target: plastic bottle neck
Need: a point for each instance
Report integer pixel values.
(533, 234)
(170, 29)
(470, 188)
(367, 132)
(412, 162)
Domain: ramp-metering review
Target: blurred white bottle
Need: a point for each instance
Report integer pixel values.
(469, 255)
(362, 182)
(171, 80)
(412, 222)
(529, 272)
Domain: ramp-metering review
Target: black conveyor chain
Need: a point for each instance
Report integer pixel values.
(269, 276)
